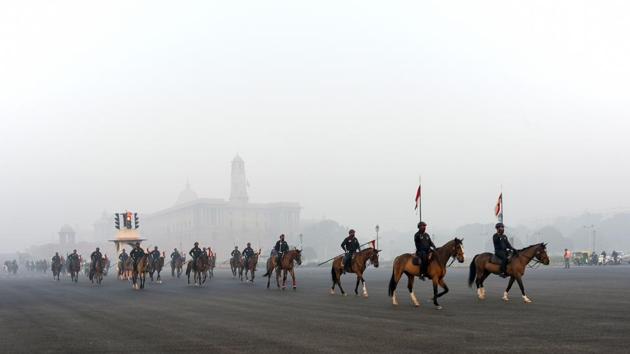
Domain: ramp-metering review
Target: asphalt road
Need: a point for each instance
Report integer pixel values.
(578, 310)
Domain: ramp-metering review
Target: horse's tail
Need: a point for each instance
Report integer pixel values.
(332, 272)
(392, 281)
(472, 272)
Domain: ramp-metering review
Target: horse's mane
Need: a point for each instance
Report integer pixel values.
(541, 244)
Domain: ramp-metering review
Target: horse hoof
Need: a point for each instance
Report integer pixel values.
(344, 294)
(365, 295)
(526, 300)
(438, 307)
(332, 292)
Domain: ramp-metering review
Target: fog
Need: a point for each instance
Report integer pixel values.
(337, 105)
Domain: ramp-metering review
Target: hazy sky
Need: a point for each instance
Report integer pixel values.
(338, 105)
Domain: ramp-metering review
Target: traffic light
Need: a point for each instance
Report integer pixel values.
(128, 220)
(136, 221)
(117, 221)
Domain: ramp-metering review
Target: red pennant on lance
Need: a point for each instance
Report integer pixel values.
(498, 209)
(373, 243)
(417, 198)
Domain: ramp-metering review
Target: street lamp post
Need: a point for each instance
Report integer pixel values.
(377, 228)
(301, 243)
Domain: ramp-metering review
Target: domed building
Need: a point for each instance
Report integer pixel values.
(221, 223)
(67, 236)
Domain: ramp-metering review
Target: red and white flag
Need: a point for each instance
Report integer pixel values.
(498, 209)
(417, 198)
(373, 244)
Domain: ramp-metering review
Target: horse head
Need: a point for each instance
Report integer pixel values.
(373, 257)
(541, 254)
(298, 256)
(458, 250)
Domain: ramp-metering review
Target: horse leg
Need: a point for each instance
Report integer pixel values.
(435, 290)
(284, 279)
(444, 286)
(293, 278)
(412, 295)
(365, 293)
(481, 292)
(505, 293)
(520, 285)
(278, 277)
(338, 274)
(356, 287)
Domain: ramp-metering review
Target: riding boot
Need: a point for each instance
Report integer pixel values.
(503, 270)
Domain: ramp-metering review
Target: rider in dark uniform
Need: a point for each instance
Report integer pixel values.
(123, 256)
(73, 255)
(236, 254)
(56, 258)
(502, 247)
(424, 246)
(281, 248)
(349, 245)
(194, 253)
(95, 256)
(136, 255)
(248, 252)
(155, 254)
(175, 255)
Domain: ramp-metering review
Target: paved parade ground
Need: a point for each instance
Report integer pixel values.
(583, 309)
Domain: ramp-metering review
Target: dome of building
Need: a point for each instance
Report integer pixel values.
(187, 195)
(66, 229)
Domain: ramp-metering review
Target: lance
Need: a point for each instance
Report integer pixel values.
(343, 253)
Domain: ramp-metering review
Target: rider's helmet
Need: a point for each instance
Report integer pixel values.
(249, 244)
(196, 244)
(498, 225)
(97, 248)
(422, 223)
(137, 244)
(351, 232)
(282, 236)
(155, 248)
(235, 247)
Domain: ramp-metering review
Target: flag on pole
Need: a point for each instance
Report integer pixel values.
(373, 244)
(498, 209)
(417, 198)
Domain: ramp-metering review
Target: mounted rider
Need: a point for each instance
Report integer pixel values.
(502, 247)
(123, 256)
(136, 255)
(350, 245)
(248, 253)
(155, 254)
(95, 257)
(210, 252)
(281, 248)
(56, 258)
(236, 254)
(175, 255)
(424, 247)
(195, 252)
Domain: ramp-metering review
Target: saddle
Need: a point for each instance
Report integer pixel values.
(496, 260)
(417, 261)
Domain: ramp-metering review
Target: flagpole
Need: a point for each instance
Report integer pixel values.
(420, 200)
(502, 211)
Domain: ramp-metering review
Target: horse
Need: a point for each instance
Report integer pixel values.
(55, 267)
(176, 265)
(74, 266)
(359, 264)
(485, 264)
(240, 266)
(199, 269)
(139, 273)
(99, 269)
(234, 266)
(106, 265)
(212, 264)
(156, 265)
(250, 267)
(286, 266)
(436, 270)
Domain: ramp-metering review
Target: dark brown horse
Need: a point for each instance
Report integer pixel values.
(436, 270)
(212, 264)
(286, 266)
(250, 267)
(74, 267)
(139, 273)
(359, 264)
(155, 266)
(176, 265)
(199, 269)
(485, 264)
(99, 269)
(55, 267)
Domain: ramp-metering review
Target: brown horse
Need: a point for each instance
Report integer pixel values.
(250, 267)
(234, 263)
(240, 266)
(155, 266)
(485, 264)
(99, 269)
(436, 270)
(359, 264)
(55, 267)
(199, 269)
(176, 265)
(74, 266)
(212, 264)
(286, 266)
(139, 273)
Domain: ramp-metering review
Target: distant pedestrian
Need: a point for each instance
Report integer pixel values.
(567, 258)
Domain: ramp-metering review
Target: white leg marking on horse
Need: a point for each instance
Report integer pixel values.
(414, 299)
(332, 292)
(505, 296)
(365, 293)
(394, 299)
(526, 299)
